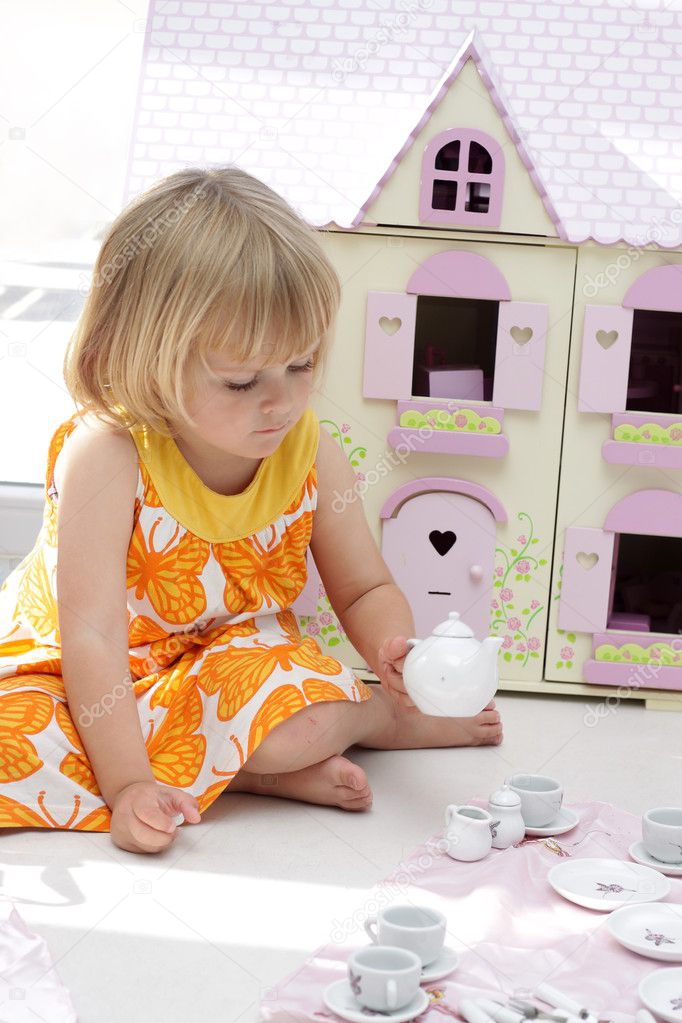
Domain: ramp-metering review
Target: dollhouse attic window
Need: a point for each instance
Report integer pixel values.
(462, 179)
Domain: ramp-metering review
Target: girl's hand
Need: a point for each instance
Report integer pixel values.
(142, 819)
(392, 654)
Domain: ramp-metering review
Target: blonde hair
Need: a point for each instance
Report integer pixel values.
(204, 260)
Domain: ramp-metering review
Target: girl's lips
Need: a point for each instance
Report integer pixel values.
(274, 429)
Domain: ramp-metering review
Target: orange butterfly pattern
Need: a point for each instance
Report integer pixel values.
(216, 656)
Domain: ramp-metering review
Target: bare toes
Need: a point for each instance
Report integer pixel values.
(355, 780)
(361, 803)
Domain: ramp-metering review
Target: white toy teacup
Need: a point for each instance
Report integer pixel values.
(469, 832)
(540, 796)
(662, 833)
(417, 928)
(383, 977)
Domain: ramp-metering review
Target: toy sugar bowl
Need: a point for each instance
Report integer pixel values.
(508, 827)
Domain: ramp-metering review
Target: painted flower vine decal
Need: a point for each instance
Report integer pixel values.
(676, 1003)
(658, 939)
(355, 982)
(517, 567)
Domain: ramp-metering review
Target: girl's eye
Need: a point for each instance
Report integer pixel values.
(306, 367)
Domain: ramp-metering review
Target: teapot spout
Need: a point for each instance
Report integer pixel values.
(493, 642)
(486, 655)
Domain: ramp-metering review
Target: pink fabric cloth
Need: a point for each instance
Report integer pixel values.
(509, 927)
(30, 989)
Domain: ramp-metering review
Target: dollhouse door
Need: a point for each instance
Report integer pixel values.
(440, 548)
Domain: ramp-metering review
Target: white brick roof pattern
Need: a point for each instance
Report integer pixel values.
(321, 98)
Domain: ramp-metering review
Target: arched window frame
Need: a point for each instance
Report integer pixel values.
(463, 177)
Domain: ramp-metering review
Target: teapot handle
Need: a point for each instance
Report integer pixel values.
(413, 642)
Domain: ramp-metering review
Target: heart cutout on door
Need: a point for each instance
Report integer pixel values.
(442, 541)
(390, 327)
(587, 561)
(606, 338)
(521, 335)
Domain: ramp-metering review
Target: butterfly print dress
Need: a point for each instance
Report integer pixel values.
(216, 656)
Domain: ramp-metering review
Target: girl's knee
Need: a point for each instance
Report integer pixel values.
(320, 727)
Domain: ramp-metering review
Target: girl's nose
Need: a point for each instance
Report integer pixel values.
(278, 399)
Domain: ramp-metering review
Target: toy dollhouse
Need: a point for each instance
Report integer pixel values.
(497, 187)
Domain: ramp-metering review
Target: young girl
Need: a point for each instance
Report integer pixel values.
(149, 658)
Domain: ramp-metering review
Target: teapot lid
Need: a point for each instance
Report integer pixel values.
(454, 626)
(505, 797)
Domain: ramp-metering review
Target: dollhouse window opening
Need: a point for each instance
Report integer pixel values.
(655, 373)
(454, 180)
(455, 348)
(646, 588)
(462, 178)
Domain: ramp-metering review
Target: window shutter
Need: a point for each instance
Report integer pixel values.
(389, 344)
(586, 579)
(520, 355)
(605, 361)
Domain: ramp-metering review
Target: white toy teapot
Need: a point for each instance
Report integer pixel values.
(451, 674)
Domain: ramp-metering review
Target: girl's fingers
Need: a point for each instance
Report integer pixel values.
(153, 814)
(182, 804)
(149, 839)
(190, 808)
(397, 648)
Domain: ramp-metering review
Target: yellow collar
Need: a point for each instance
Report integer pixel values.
(220, 518)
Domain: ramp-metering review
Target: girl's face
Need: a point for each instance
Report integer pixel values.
(235, 404)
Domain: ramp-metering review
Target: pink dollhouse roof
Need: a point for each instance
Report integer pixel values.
(322, 98)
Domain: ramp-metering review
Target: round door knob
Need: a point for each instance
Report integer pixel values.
(476, 573)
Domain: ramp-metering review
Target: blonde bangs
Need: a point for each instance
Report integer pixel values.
(204, 261)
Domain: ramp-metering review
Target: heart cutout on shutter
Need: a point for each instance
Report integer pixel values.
(607, 338)
(442, 541)
(587, 561)
(521, 335)
(390, 327)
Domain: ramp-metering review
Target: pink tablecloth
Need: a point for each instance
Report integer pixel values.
(510, 929)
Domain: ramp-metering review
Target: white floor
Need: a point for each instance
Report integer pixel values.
(240, 901)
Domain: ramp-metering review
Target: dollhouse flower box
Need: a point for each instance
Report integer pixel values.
(636, 662)
(450, 428)
(645, 439)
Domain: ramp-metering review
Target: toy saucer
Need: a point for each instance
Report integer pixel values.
(661, 992)
(564, 821)
(640, 855)
(440, 967)
(605, 884)
(339, 997)
(653, 930)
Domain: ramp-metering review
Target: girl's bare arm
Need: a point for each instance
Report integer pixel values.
(96, 485)
(361, 589)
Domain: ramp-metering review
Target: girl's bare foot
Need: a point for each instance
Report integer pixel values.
(333, 782)
(414, 730)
